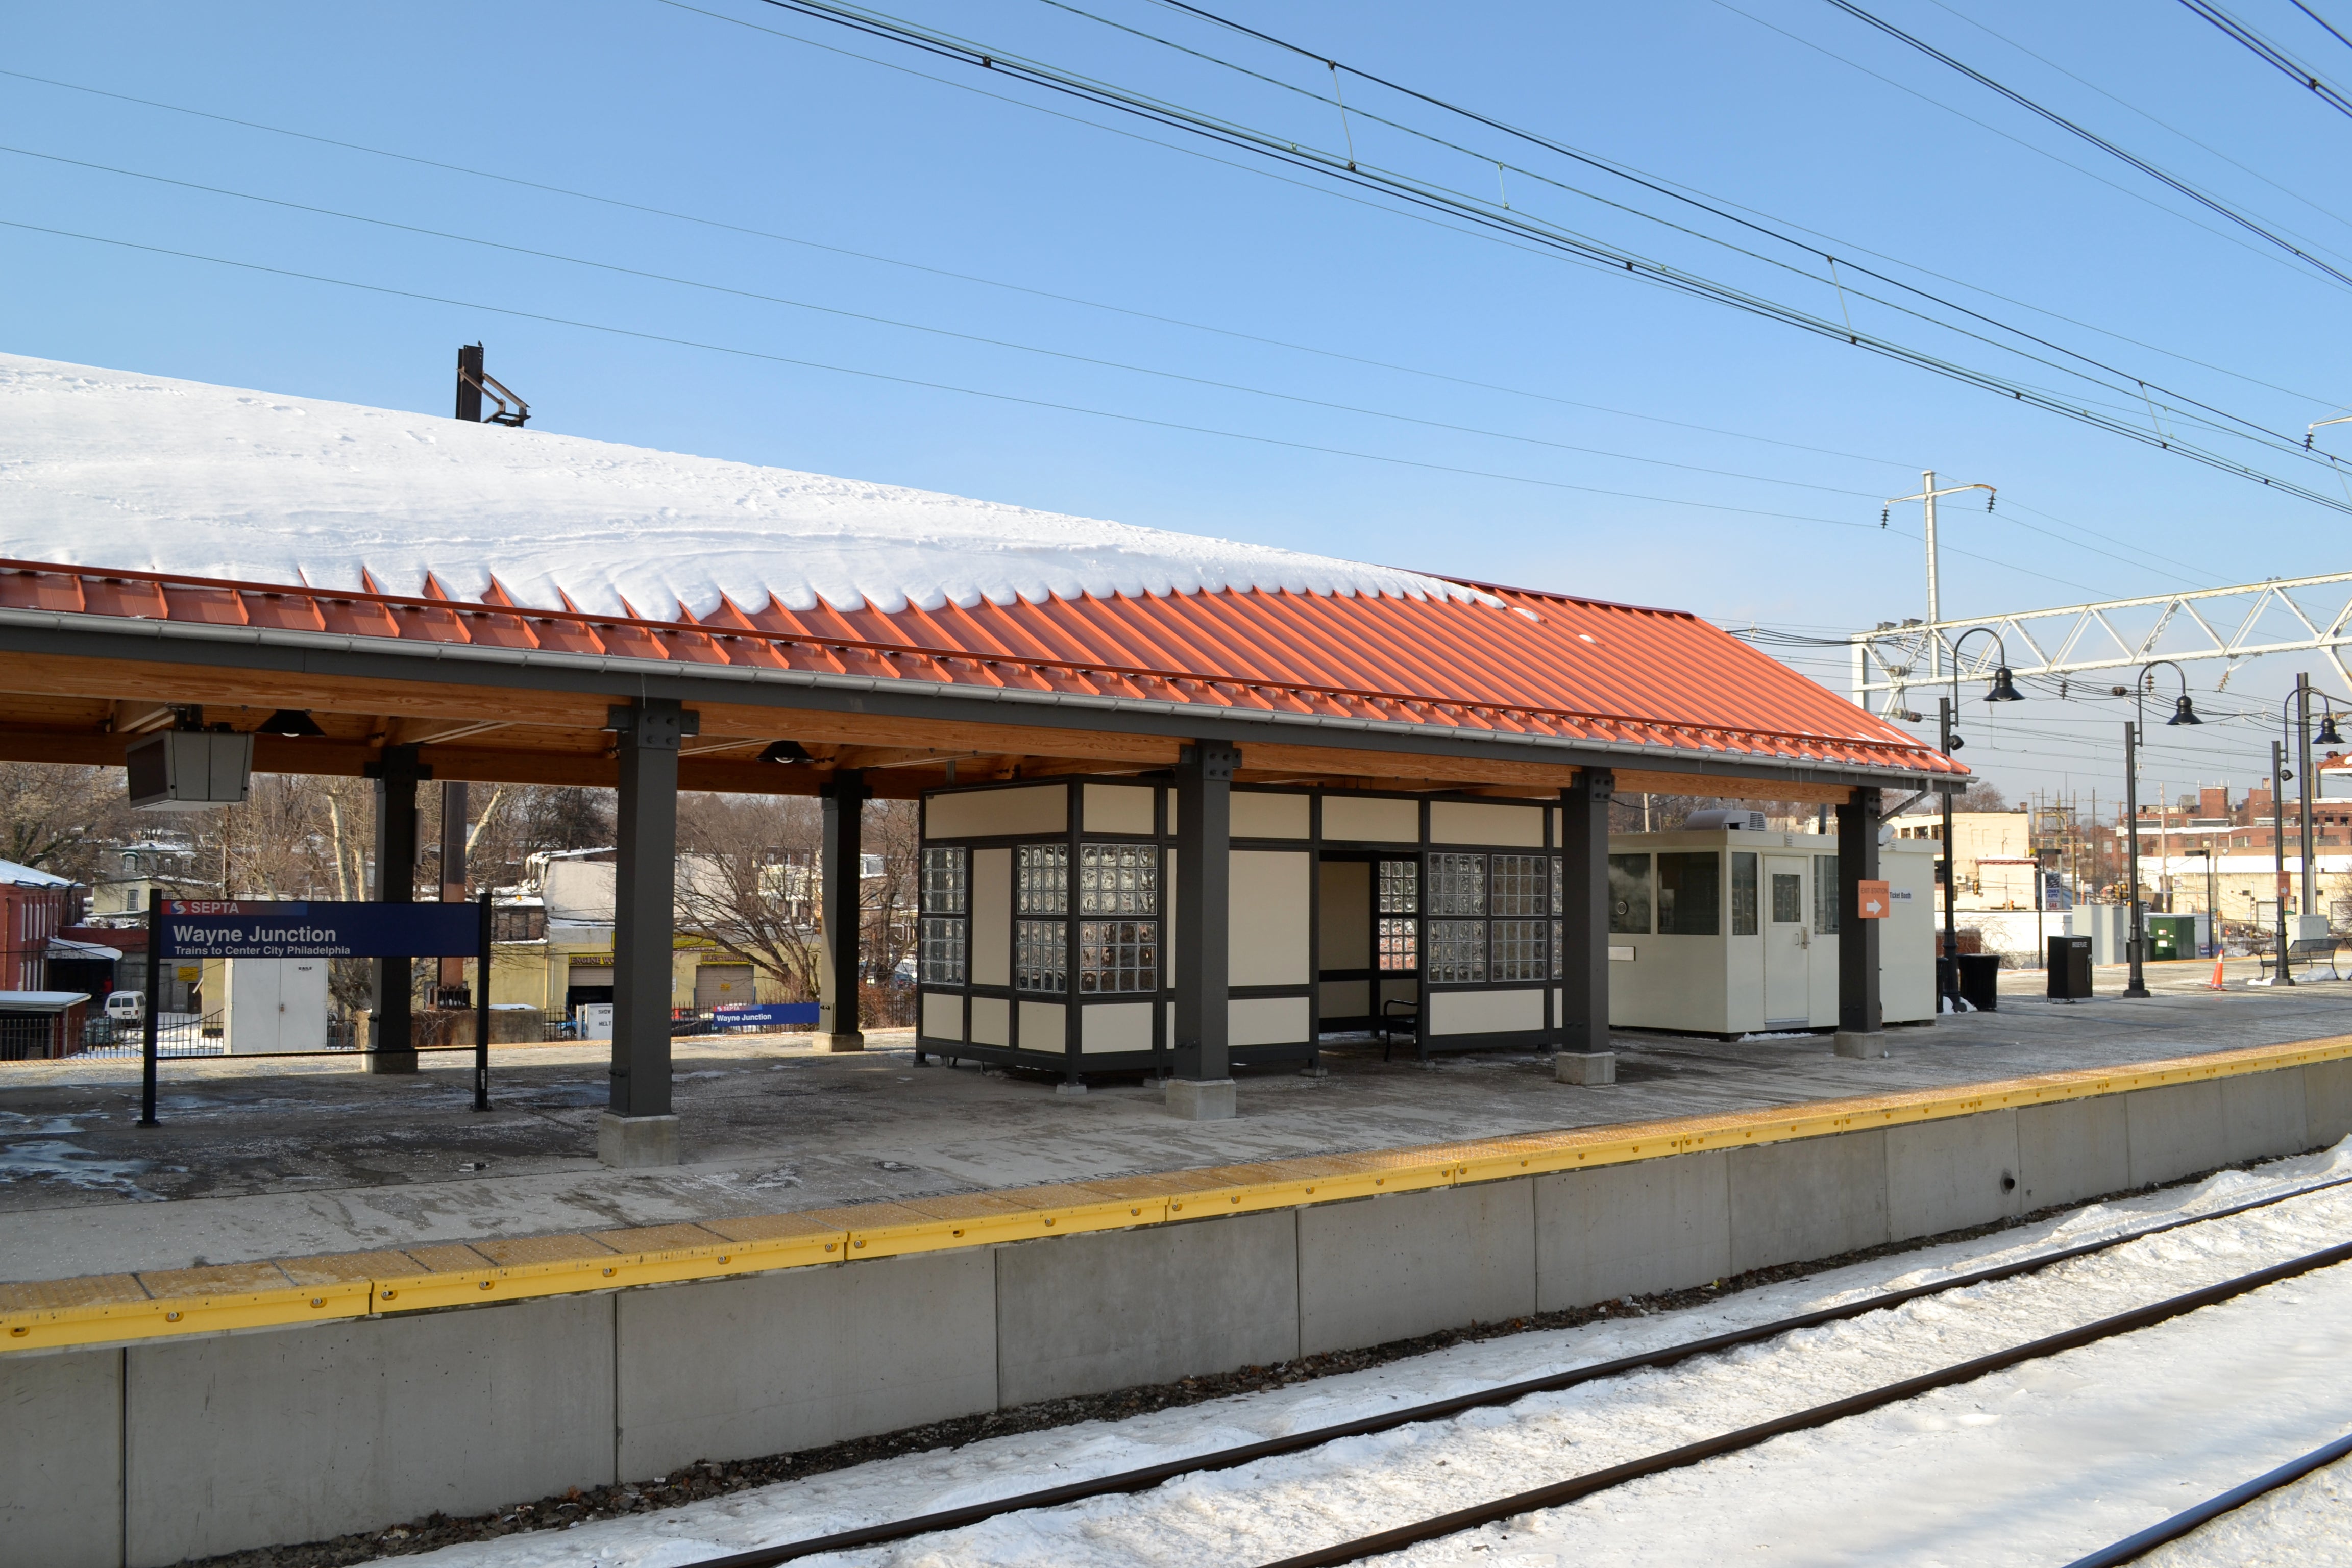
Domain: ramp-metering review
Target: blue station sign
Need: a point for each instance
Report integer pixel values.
(196, 928)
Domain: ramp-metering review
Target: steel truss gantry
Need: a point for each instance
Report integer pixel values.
(2280, 616)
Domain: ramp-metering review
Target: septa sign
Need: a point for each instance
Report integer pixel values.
(1872, 900)
(206, 927)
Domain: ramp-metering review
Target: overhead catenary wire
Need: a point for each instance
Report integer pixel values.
(2327, 92)
(977, 279)
(1473, 211)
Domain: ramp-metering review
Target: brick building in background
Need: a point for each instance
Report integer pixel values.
(34, 906)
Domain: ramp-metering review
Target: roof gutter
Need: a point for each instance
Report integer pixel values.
(75, 622)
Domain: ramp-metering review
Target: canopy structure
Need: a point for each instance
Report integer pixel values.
(366, 591)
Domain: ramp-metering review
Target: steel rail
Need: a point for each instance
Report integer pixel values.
(1150, 1476)
(2131, 1548)
(1090, 670)
(1836, 1410)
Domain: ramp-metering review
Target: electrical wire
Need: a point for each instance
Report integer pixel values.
(938, 331)
(2323, 21)
(1712, 206)
(1470, 210)
(723, 225)
(2209, 203)
(2262, 48)
(740, 351)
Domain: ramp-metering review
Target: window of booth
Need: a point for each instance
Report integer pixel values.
(1825, 895)
(1398, 949)
(1743, 893)
(1690, 892)
(1629, 894)
(946, 891)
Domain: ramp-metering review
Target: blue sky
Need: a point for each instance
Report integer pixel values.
(1785, 107)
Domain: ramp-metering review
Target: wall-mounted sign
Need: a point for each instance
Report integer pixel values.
(1872, 901)
(197, 928)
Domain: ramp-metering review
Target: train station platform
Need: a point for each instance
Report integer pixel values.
(259, 1160)
(400, 1307)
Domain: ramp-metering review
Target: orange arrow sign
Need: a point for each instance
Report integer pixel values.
(1872, 900)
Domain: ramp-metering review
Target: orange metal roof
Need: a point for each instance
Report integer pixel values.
(1535, 664)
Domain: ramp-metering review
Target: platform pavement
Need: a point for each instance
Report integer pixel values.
(270, 1160)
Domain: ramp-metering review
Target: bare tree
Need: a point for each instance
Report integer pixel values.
(59, 818)
(888, 903)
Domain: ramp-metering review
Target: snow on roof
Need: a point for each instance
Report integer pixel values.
(106, 467)
(26, 876)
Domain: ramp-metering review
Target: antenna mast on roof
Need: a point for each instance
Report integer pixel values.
(473, 381)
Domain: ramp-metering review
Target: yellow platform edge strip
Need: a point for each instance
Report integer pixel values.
(1333, 1180)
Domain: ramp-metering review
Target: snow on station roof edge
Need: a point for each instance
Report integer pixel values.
(111, 469)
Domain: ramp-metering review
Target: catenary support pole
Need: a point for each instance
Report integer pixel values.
(1861, 1030)
(482, 1010)
(2278, 854)
(392, 1041)
(2307, 790)
(1586, 1054)
(639, 1127)
(2136, 924)
(843, 857)
(1203, 1089)
(1949, 972)
(155, 1000)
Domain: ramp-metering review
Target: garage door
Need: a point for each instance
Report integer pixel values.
(721, 985)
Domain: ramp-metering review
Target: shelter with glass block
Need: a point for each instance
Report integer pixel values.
(1188, 802)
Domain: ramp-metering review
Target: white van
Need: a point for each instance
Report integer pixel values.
(126, 1007)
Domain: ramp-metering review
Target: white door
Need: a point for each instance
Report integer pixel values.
(1787, 961)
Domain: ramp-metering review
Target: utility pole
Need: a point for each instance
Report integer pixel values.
(2137, 987)
(1926, 497)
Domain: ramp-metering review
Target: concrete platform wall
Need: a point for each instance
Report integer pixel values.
(138, 1457)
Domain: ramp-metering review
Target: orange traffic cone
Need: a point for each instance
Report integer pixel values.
(2215, 983)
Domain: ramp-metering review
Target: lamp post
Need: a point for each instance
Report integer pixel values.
(1948, 712)
(2300, 701)
(2183, 712)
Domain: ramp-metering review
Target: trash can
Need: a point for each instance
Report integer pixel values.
(2069, 958)
(1981, 981)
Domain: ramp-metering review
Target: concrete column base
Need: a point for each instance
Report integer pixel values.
(1863, 1046)
(853, 1041)
(1067, 1087)
(1584, 1067)
(1201, 1099)
(636, 1142)
(391, 1061)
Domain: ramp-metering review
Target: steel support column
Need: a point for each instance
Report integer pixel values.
(843, 919)
(638, 1127)
(1860, 1030)
(391, 1042)
(1585, 1055)
(1203, 1088)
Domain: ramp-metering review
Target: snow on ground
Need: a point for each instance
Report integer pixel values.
(2294, 1527)
(144, 473)
(2034, 1466)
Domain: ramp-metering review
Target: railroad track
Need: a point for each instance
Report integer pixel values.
(1454, 1522)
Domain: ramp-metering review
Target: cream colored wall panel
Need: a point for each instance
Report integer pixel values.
(1377, 821)
(1347, 998)
(991, 917)
(1400, 991)
(1118, 809)
(1267, 1021)
(943, 1016)
(1268, 815)
(1473, 822)
(1115, 1027)
(1485, 1012)
(992, 1021)
(1036, 808)
(1267, 924)
(1041, 1026)
(1344, 890)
